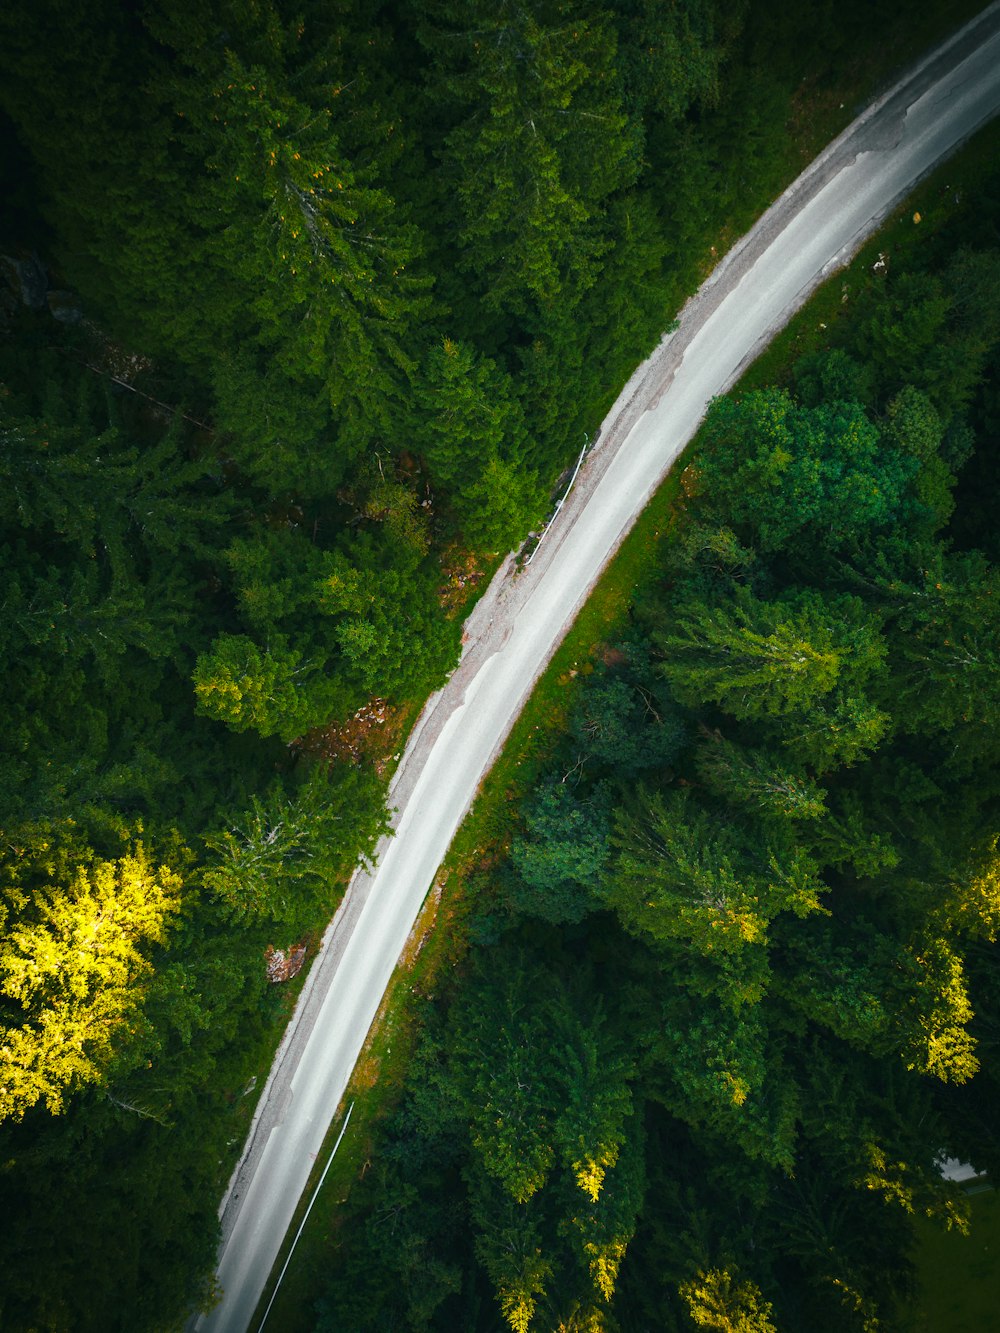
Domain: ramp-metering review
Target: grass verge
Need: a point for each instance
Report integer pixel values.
(957, 1274)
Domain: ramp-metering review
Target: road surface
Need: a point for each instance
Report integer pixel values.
(817, 224)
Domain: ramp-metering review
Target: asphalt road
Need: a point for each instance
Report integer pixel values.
(815, 226)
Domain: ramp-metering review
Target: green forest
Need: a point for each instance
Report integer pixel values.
(304, 313)
(734, 988)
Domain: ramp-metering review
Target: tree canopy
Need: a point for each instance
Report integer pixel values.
(304, 314)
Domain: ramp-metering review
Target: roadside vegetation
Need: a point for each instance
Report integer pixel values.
(956, 1275)
(731, 981)
(316, 327)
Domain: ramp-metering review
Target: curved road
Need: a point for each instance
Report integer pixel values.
(814, 227)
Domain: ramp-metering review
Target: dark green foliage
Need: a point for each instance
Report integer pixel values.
(331, 627)
(292, 851)
(391, 263)
(947, 676)
(538, 138)
(914, 424)
(833, 376)
(670, 57)
(778, 471)
(934, 330)
(560, 863)
(758, 780)
(759, 659)
(624, 723)
(470, 414)
(472, 435)
(781, 957)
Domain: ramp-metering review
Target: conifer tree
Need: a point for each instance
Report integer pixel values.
(761, 659)
(539, 138)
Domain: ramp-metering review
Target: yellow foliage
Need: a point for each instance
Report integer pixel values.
(943, 1047)
(716, 1300)
(590, 1171)
(518, 1307)
(739, 1088)
(979, 900)
(900, 1185)
(75, 967)
(604, 1262)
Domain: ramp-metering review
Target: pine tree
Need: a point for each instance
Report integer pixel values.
(539, 138)
(271, 691)
(761, 659)
(787, 473)
(290, 849)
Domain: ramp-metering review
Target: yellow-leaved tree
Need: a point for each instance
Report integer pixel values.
(72, 965)
(718, 1300)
